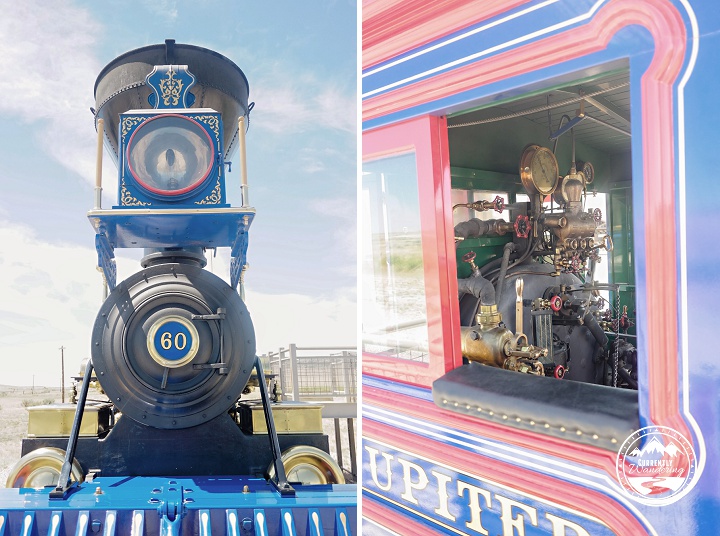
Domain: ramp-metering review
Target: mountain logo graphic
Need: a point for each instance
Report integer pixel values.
(655, 447)
(656, 465)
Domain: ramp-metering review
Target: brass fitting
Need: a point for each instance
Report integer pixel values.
(489, 316)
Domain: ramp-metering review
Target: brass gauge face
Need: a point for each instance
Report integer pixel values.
(539, 170)
(589, 172)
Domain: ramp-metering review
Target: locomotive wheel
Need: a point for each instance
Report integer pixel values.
(41, 468)
(309, 465)
(158, 361)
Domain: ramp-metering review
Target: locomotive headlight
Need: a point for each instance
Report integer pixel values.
(170, 155)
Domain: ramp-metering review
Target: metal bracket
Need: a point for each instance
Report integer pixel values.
(64, 485)
(171, 509)
(238, 257)
(282, 484)
(106, 259)
(221, 367)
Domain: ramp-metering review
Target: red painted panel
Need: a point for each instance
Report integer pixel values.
(392, 519)
(391, 27)
(665, 24)
(586, 455)
(427, 136)
(572, 496)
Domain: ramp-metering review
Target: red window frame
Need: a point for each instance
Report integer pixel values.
(426, 136)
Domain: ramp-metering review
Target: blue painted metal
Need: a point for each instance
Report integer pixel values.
(211, 192)
(207, 228)
(238, 257)
(110, 525)
(201, 505)
(232, 522)
(314, 524)
(261, 527)
(343, 523)
(55, 522)
(83, 522)
(171, 86)
(204, 528)
(287, 523)
(106, 258)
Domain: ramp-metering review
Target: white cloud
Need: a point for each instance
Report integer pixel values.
(343, 212)
(48, 71)
(302, 106)
(51, 294)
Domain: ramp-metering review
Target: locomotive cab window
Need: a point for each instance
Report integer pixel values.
(542, 215)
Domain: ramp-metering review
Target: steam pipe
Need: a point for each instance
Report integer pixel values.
(507, 250)
(592, 324)
(475, 227)
(479, 287)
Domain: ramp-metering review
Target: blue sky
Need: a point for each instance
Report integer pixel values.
(300, 61)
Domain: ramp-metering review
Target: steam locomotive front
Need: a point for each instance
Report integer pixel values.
(173, 345)
(175, 451)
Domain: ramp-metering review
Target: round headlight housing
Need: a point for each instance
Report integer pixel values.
(170, 155)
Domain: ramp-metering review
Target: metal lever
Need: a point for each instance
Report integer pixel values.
(519, 305)
(64, 484)
(282, 484)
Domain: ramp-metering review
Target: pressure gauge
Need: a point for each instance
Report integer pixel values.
(588, 170)
(538, 170)
(170, 155)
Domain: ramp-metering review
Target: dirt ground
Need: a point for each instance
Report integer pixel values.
(14, 402)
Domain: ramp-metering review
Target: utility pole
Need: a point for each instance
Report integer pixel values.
(62, 372)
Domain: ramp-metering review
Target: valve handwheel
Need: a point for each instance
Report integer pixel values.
(469, 256)
(499, 203)
(597, 215)
(559, 372)
(556, 303)
(522, 226)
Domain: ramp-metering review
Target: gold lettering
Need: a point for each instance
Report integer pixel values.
(509, 522)
(421, 483)
(442, 481)
(166, 340)
(373, 468)
(474, 493)
(559, 525)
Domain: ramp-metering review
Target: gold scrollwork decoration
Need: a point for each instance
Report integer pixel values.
(212, 122)
(214, 198)
(171, 89)
(128, 123)
(126, 198)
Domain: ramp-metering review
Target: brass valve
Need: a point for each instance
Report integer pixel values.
(497, 204)
(494, 345)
